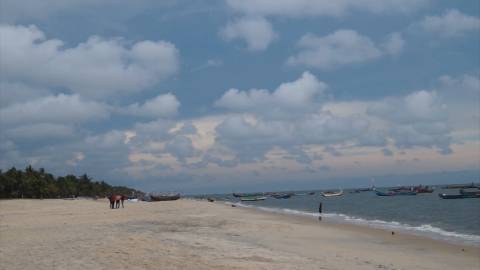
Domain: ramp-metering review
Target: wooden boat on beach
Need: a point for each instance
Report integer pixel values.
(252, 198)
(170, 197)
(332, 193)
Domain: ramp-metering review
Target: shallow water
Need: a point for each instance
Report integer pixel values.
(423, 214)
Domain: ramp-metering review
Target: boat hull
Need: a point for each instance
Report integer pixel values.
(164, 198)
(332, 194)
(285, 196)
(252, 199)
(391, 193)
(458, 196)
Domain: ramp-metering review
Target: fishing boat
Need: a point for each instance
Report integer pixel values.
(463, 186)
(463, 194)
(169, 197)
(311, 193)
(252, 198)
(358, 190)
(470, 192)
(423, 189)
(406, 193)
(332, 193)
(392, 193)
(238, 195)
(403, 188)
(458, 196)
(282, 196)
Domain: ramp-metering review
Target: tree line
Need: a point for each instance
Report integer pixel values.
(39, 184)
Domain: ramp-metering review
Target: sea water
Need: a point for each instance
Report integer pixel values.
(425, 214)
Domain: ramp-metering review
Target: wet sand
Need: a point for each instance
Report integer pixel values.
(187, 234)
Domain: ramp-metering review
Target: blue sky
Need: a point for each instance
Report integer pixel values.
(216, 96)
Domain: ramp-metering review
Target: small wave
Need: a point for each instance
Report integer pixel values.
(424, 229)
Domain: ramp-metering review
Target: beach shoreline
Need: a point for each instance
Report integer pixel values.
(193, 234)
(352, 223)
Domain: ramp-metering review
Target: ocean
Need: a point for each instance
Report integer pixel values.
(425, 214)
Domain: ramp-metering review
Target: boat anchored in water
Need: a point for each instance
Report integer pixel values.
(332, 193)
(252, 198)
(463, 194)
(282, 196)
(395, 193)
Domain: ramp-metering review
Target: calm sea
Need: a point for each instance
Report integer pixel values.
(424, 214)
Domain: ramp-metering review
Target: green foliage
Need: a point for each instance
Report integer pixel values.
(33, 183)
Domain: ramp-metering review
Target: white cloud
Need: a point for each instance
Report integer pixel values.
(256, 31)
(154, 130)
(418, 119)
(39, 132)
(77, 157)
(451, 24)
(343, 47)
(60, 109)
(422, 106)
(160, 106)
(17, 10)
(108, 141)
(301, 8)
(17, 92)
(394, 44)
(181, 147)
(300, 95)
(96, 68)
(463, 96)
(462, 87)
(288, 118)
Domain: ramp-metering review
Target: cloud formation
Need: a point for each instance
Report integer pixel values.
(97, 68)
(256, 31)
(452, 23)
(160, 106)
(300, 8)
(63, 109)
(418, 119)
(289, 118)
(343, 47)
(291, 97)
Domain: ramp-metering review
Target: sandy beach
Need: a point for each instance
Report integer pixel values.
(187, 234)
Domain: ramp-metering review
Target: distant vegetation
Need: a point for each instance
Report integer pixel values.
(38, 184)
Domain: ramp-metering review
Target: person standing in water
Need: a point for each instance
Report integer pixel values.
(320, 211)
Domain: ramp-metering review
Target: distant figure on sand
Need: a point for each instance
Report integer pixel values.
(115, 201)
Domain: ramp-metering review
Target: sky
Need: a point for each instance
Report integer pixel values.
(242, 95)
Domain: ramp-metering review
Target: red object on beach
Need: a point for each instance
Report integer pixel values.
(115, 201)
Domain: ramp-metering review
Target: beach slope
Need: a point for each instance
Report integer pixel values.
(187, 234)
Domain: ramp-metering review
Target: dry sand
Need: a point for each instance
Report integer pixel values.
(185, 234)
